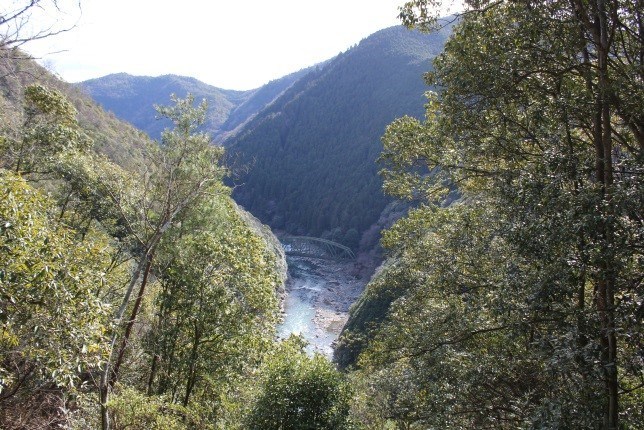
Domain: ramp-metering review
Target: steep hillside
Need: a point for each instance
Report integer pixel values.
(312, 153)
(257, 100)
(118, 140)
(308, 142)
(132, 98)
(76, 231)
(112, 137)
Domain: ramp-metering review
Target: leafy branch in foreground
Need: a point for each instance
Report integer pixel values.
(178, 174)
(520, 305)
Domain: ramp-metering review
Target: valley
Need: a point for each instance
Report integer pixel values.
(438, 228)
(303, 149)
(319, 294)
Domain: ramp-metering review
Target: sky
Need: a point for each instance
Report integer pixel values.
(229, 44)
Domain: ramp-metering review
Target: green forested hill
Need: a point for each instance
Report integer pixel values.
(313, 152)
(308, 142)
(519, 305)
(121, 142)
(121, 257)
(132, 98)
(255, 101)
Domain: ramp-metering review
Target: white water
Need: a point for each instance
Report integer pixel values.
(306, 285)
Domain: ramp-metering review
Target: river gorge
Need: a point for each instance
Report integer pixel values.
(319, 294)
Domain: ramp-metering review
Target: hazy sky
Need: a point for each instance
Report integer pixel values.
(229, 44)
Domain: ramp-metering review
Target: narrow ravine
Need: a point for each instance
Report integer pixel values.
(319, 294)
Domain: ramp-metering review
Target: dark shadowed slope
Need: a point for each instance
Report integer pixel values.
(312, 153)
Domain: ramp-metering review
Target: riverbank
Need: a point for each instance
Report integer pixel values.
(319, 295)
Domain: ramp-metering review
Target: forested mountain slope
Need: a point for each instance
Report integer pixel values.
(313, 151)
(520, 304)
(255, 101)
(132, 98)
(121, 257)
(307, 143)
(119, 141)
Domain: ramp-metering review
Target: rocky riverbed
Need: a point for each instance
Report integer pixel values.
(318, 296)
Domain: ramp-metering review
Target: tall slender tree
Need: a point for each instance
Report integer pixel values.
(177, 175)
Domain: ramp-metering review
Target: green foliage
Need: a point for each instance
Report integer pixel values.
(50, 128)
(134, 410)
(53, 323)
(461, 337)
(370, 310)
(217, 307)
(515, 306)
(72, 262)
(312, 152)
(176, 177)
(213, 281)
(41, 100)
(60, 270)
(116, 140)
(83, 189)
(300, 392)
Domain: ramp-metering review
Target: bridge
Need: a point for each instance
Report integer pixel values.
(314, 247)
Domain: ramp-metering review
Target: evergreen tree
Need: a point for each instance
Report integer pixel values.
(529, 288)
(300, 392)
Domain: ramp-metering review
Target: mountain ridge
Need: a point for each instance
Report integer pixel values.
(132, 98)
(307, 143)
(313, 151)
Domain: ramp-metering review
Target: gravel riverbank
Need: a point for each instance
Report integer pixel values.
(319, 295)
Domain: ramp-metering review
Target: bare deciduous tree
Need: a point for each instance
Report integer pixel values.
(22, 21)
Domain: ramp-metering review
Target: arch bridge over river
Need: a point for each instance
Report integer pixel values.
(315, 247)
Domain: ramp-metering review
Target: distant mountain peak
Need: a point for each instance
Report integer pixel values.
(310, 139)
(132, 98)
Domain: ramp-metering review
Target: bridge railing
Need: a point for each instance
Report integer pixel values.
(316, 247)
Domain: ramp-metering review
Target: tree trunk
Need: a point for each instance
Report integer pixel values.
(192, 372)
(106, 376)
(104, 397)
(606, 282)
(130, 324)
(153, 371)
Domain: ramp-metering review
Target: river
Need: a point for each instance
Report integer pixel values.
(318, 296)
